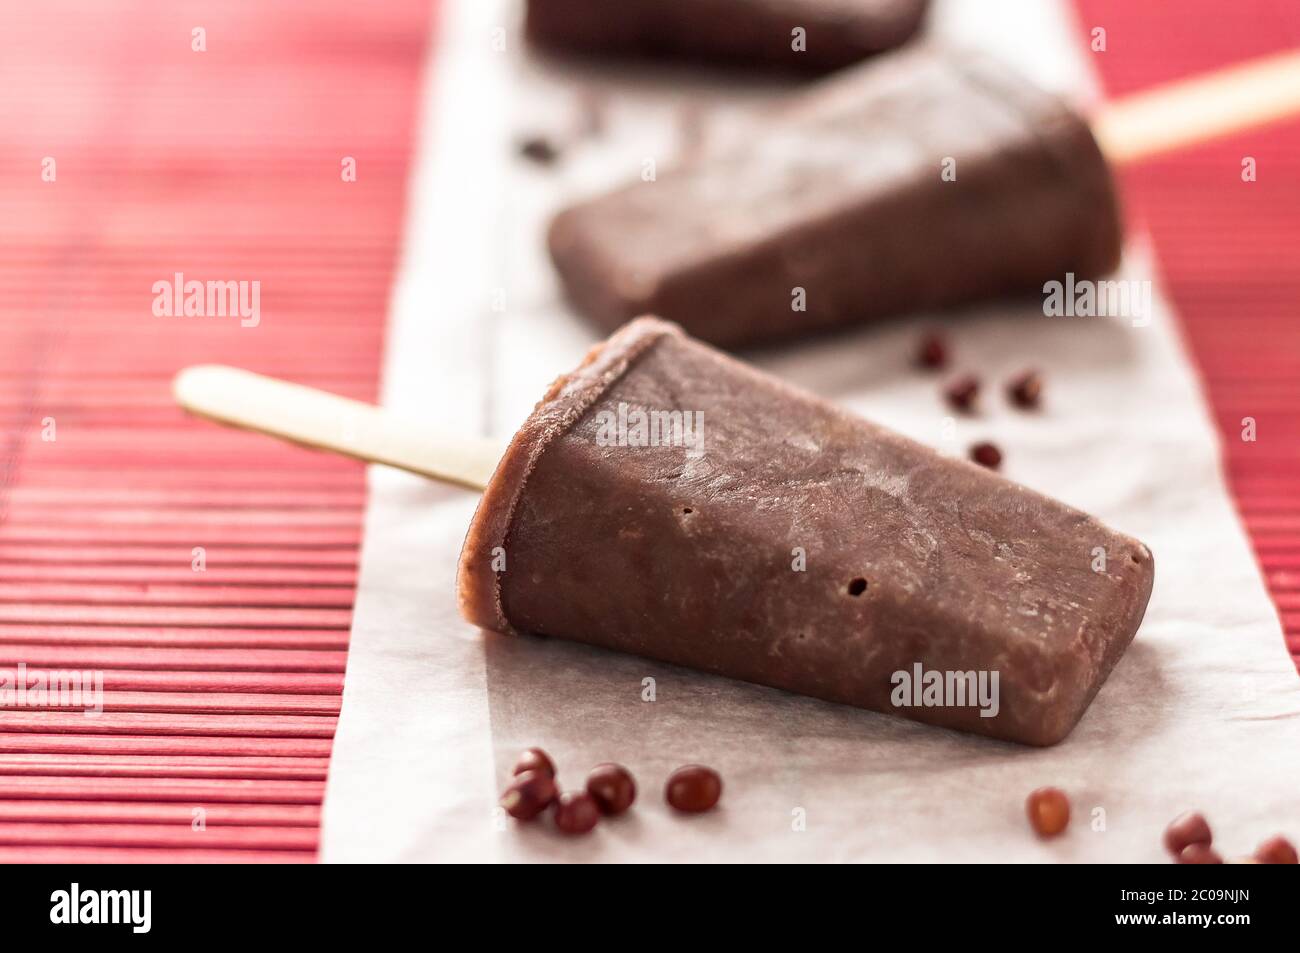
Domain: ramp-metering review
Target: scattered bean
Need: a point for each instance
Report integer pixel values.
(693, 788)
(539, 149)
(961, 393)
(932, 352)
(576, 812)
(1185, 830)
(986, 455)
(1048, 810)
(535, 759)
(613, 788)
(1199, 854)
(1026, 390)
(528, 795)
(1276, 850)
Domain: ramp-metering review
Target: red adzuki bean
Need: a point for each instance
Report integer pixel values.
(1276, 850)
(693, 788)
(613, 788)
(961, 393)
(1048, 810)
(535, 759)
(576, 812)
(528, 795)
(1185, 830)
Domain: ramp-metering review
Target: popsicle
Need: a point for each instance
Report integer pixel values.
(783, 541)
(804, 36)
(667, 500)
(923, 180)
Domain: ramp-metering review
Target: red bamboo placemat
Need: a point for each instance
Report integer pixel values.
(224, 163)
(1230, 254)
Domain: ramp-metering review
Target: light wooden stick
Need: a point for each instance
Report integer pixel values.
(1185, 112)
(314, 418)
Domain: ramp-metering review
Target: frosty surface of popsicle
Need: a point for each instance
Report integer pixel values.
(921, 180)
(751, 33)
(689, 553)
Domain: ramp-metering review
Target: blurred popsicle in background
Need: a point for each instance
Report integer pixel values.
(801, 36)
(932, 178)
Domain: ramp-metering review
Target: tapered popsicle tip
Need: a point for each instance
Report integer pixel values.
(200, 387)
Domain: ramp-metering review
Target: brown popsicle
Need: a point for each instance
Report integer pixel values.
(927, 179)
(688, 553)
(759, 34)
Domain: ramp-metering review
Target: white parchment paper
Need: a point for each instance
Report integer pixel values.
(1203, 711)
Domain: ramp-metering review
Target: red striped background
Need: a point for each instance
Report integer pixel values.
(1230, 252)
(222, 687)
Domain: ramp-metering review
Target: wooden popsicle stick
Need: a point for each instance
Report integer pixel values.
(1199, 109)
(326, 421)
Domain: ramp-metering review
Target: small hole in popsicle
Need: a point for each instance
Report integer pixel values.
(687, 510)
(857, 587)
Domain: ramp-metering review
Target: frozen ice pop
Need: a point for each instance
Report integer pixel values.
(789, 543)
(752, 33)
(922, 180)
